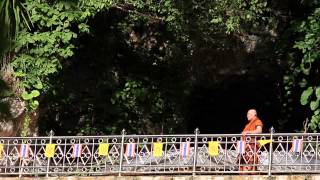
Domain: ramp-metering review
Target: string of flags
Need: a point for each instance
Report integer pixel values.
(77, 150)
(185, 149)
(157, 149)
(213, 149)
(263, 142)
(297, 145)
(1, 150)
(24, 150)
(241, 146)
(50, 150)
(103, 149)
(130, 149)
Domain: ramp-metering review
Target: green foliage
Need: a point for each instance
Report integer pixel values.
(12, 16)
(309, 66)
(41, 51)
(142, 106)
(25, 128)
(155, 35)
(305, 96)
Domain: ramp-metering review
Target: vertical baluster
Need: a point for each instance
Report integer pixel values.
(165, 154)
(64, 154)
(270, 151)
(92, 154)
(225, 150)
(35, 172)
(316, 153)
(123, 132)
(136, 153)
(20, 159)
(49, 158)
(7, 156)
(196, 132)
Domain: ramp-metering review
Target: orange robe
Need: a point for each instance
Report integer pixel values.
(252, 125)
(250, 156)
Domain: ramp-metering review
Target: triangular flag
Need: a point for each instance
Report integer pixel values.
(77, 150)
(24, 150)
(157, 149)
(103, 149)
(185, 149)
(241, 146)
(130, 149)
(297, 145)
(213, 149)
(263, 142)
(1, 150)
(50, 150)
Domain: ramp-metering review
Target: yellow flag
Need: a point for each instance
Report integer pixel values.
(213, 149)
(103, 149)
(157, 149)
(263, 142)
(50, 149)
(1, 149)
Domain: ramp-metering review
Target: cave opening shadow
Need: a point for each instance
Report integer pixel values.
(223, 109)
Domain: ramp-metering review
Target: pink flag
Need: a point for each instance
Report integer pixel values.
(130, 149)
(77, 150)
(185, 149)
(241, 147)
(24, 150)
(297, 145)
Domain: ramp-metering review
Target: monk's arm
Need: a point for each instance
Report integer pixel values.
(256, 131)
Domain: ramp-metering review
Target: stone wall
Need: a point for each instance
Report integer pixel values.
(215, 177)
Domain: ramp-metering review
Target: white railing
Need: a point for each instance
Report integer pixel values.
(159, 154)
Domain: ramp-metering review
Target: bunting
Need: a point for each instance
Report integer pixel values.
(157, 149)
(77, 150)
(24, 150)
(213, 149)
(241, 146)
(185, 149)
(263, 142)
(297, 145)
(103, 149)
(130, 149)
(1, 150)
(49, 151)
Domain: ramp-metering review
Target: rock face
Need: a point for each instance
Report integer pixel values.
(10, 124)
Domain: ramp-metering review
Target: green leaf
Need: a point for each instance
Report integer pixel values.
(34, 104)
(318, 92)
(305, 96)
(38, 85)
(314, 105)
(19, 74)
(26, 96)
(35, 93)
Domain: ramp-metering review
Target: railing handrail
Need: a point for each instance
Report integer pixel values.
(163, 135)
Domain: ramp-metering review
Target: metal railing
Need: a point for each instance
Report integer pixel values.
(159, 154)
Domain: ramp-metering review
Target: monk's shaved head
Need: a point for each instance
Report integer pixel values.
(254, 111)
(252, 114)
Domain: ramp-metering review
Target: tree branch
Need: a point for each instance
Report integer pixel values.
(139, 13)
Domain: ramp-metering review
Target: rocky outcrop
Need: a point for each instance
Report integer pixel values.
(10, 124)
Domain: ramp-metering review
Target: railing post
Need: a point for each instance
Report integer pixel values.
(51, 134)
(196, 132)
(270, 151)
(123, 133)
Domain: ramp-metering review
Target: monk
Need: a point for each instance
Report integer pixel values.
(250, 156)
